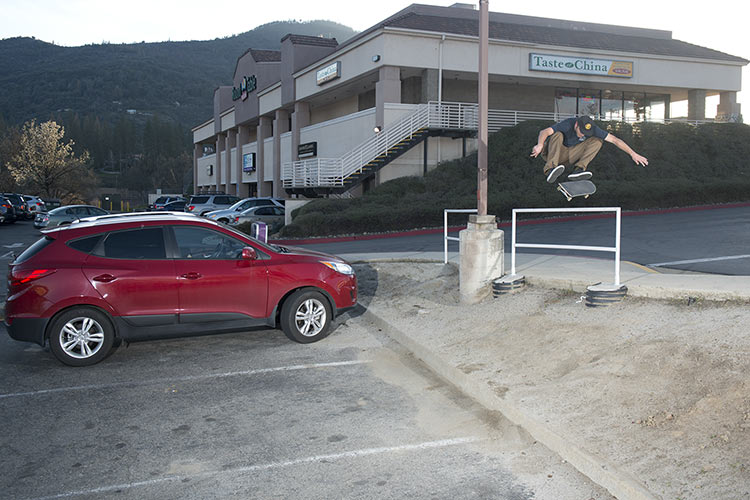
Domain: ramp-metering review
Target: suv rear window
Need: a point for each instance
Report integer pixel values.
(198, 200)
(33, 249)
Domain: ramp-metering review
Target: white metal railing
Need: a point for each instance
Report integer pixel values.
(331, 172)
(615, 249)
(445, 227)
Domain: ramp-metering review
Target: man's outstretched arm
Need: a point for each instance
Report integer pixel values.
(536, 150)
(638, 159)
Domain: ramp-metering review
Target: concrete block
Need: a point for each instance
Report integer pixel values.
(481, 258)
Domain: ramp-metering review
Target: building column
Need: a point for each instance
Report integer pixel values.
(300, 120)
(197, 153)
(696, 104)
(728, 109)
(430, 85)
(264, 132)
(387, 89)
(221, 142)
(230, 188)
(280, 126)
(243, 137)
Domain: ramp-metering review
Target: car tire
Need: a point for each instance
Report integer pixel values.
(81, 336)
(306, 316)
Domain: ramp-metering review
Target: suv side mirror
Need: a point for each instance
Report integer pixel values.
(248, 253)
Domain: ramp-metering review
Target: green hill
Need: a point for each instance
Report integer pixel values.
(687, 166)
(175, 80)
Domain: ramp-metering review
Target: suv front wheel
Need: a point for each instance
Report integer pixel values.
(81, 336)
(306, 316)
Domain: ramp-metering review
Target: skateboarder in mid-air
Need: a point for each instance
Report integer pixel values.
(575, 142)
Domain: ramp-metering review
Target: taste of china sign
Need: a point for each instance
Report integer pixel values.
(580, 65)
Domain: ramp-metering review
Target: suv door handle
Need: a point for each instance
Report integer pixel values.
(191, 276)
(104, 278)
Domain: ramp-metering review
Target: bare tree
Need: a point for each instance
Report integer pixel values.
(46, 165)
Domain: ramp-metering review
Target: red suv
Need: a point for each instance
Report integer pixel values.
(88, 286)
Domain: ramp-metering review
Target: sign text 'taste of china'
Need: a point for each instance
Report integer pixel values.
(580, 65)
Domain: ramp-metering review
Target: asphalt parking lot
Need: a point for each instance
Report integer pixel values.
(253, 415)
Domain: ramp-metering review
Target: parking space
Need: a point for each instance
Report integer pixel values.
(253, 415)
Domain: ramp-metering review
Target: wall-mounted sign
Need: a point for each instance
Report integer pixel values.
(248, 162)
(247, 85)
(307, 150)
(328, 73)
(580, 65)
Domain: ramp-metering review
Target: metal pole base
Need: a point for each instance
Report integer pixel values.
(604, 294)
(510, 283)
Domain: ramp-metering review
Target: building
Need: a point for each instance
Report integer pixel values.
(318, 118)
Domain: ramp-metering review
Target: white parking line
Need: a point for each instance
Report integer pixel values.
(186, 378)
(274, 465)
(696, 261)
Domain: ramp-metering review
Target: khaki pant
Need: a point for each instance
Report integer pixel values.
(556, 153)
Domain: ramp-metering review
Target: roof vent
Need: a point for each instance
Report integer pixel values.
(469, 6)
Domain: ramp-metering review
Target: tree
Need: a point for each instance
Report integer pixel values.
(46, 165)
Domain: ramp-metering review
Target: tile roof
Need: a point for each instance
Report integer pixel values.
(266, 55)
(550, 35)
(311, 40)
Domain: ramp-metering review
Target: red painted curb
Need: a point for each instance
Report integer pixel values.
(453, 229)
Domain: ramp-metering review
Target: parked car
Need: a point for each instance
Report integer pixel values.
(226, 215)
(7, 211)
(273, 217)
(192, 276)
(65, 215)
(19, 204)
(34, 204)
(163, 200)
(174, 206)
(201, 204)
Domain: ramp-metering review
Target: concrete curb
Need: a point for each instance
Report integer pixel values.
(619, 483)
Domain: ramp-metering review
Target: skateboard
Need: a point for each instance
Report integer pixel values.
(572, 189)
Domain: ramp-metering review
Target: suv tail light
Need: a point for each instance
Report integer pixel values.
(25, 276)
(191, 208)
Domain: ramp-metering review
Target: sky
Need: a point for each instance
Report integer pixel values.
(719, 24)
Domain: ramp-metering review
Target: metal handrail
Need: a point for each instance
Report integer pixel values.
(615, 249)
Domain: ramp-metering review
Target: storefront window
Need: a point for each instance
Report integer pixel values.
(565, 102)
(588, 102)
(611, 105)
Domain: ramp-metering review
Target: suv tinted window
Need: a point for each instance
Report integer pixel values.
(197, 200)
(144, 243)
(224, 200)
(85, 245)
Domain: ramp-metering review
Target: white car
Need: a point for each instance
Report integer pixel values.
(226, 215)
(35, 205)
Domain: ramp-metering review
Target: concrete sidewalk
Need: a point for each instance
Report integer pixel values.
(576, 273)
(454, 342)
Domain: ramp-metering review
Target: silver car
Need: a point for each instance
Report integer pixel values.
(201, 204)
(226, 215)
(64, 215)
(272, 216)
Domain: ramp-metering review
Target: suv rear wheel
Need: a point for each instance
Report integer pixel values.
(81, 336)
(306, 316)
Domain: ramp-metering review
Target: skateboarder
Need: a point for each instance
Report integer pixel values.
(575, 141)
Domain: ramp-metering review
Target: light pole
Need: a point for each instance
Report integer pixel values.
(483, 107)
(481, 243)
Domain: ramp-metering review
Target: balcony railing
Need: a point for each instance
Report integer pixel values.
(331, 172)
